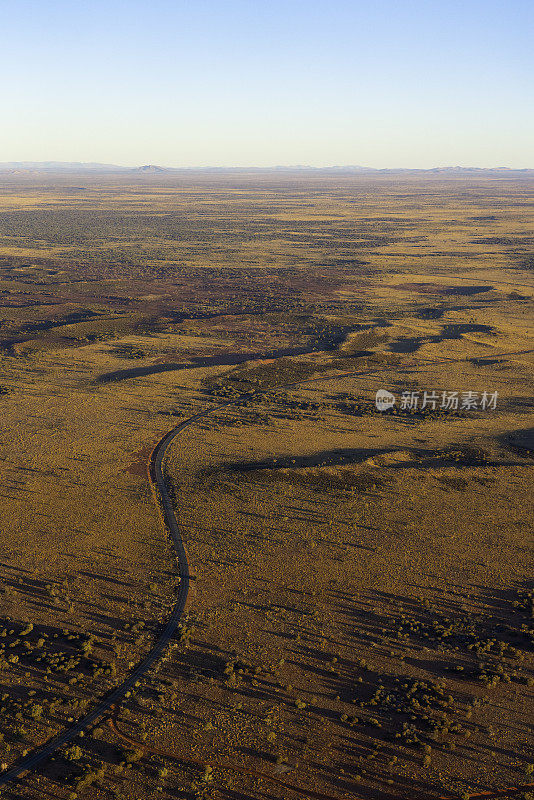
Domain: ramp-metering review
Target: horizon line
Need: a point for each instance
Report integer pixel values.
(50, 165)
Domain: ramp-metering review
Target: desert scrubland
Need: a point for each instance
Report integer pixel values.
(360, 624)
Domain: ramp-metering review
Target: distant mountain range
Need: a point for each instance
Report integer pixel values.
(74, 166)
(152, 169)
(57, 166)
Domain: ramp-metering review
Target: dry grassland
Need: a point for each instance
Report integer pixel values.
(361, 622)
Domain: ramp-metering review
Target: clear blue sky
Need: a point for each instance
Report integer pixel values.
(384, 83)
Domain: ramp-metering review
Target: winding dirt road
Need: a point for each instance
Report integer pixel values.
(159, 488)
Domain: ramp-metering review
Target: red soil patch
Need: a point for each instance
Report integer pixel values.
(139, 467)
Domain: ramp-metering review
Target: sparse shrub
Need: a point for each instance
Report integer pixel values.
(73, 753)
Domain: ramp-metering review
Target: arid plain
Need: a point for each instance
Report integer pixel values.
(360, 620)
